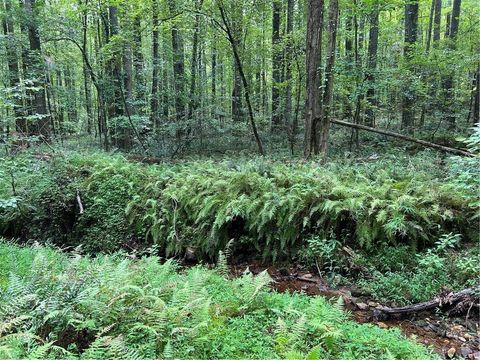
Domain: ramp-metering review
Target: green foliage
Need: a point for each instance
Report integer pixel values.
(110, 307)
(404, 277)
(263, 205)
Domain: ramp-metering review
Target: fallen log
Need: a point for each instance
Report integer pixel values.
(405, 137)
(443, 301)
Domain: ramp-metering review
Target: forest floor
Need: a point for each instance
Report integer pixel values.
(449, 336)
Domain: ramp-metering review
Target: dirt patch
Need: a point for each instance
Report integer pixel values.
(450, 337)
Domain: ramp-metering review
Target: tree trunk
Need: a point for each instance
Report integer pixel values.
(372, 66)
(430, 26)
(13, 73)
(42, 123)
(239, 66)
(326, 106)
(237, 32)
(154, 118)
(437, 19)
(86, 76)
(276, 65)
(313, 81)
(178, 68)
(288, 64)
(449, 90)
(193, 104)
(411, 29)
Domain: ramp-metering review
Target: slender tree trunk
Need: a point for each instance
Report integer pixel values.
(193, 104)
(154, 118)
(437, 22)
(372, 66)
(411, 29)
(138, 65)
(326, 109)
(239, 66)
(13, 72)
(313, 81)
(42, 127)
(288, 64)
(276, 65)
(214, 76)
(476, 94)
(449, 90)
(237, 32)
(178, 67)
(430, 26)
(86, 76)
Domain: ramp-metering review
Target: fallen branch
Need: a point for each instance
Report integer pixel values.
(405, 137)
(448, 300)
(79, 202)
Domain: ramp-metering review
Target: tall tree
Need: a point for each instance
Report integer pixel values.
(36, 65)
(276, 65)
(448, 84)
(313, 82)
(372, 65)
(323, 124)
(411, 29)
(13, 71)
(178, 65)
(154, 96)
(288, 62)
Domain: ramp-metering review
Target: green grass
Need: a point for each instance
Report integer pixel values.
(66, 306)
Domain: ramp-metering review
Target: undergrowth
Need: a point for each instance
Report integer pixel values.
(59, 306)
(266, 205)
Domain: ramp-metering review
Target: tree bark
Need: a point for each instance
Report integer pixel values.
(154, 118)
(178, 68)
(437, 22)
(86, 77)
(13, 72)
(448, 84)
(313, 81)
(276, 65)
(288, 64)
(445, 301)
(326, 106)
(411, 29)
(193, 104)
(42, 124)
(372, 66)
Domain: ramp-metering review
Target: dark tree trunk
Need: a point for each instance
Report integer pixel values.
(193, 104)
(276, 65)
(239, 66)
(237, 32)
(430, 26)
(476, 97)
(13, 72)
(448, 84)
(86, 76)
(372, 66)
(288, 64)
(42, 124)
(154, 117)
(326, 106)
(411, 29)
(178, 67)
(313, 81)
(437, 22)
(140, 85)
(214, 76)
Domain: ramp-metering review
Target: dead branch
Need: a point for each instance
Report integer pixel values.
(405, 137)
